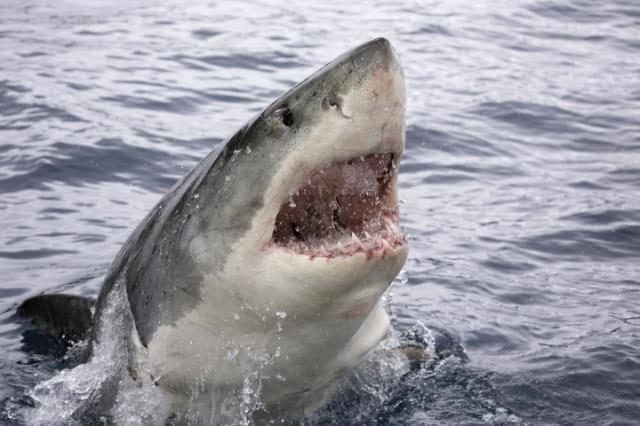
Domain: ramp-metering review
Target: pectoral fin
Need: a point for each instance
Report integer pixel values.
(64, 316)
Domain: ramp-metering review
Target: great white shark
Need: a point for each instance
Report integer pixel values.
(281, 245)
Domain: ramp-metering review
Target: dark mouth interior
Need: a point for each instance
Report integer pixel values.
(343, 208)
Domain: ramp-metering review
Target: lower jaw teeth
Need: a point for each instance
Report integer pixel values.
(381, 235)
(384, 240)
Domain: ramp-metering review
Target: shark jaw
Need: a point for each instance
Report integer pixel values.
(346, 208)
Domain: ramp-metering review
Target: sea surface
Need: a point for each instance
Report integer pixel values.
(520, 182)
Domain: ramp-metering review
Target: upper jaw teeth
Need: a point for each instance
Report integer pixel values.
(390, 226)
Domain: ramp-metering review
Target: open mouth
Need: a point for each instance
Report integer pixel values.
(343, 209)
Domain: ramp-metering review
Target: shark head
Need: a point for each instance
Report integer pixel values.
(289, 235)
(303, 202)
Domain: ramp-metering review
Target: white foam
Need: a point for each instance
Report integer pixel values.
(60, 399)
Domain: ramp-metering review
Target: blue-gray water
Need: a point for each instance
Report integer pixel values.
(521, 179)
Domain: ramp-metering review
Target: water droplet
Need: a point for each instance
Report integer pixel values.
(232, 354)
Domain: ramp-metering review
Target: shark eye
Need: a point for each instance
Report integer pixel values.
(287, 116)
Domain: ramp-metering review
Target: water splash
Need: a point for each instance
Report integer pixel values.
(140, 405)
(66, 398)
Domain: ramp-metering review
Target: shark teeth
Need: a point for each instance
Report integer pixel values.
(377, 240)
(358, 241)
(390, 226)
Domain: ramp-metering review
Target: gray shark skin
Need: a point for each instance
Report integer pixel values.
(233, 261)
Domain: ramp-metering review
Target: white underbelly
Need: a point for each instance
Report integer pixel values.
(294, 361)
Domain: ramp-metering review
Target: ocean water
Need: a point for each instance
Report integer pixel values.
(520, 182)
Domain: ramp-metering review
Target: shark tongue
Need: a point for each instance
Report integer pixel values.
(341, 209)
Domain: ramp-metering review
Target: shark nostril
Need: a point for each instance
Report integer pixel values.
(335, 103)
(330, 102)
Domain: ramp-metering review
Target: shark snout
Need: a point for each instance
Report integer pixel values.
(379, 52)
